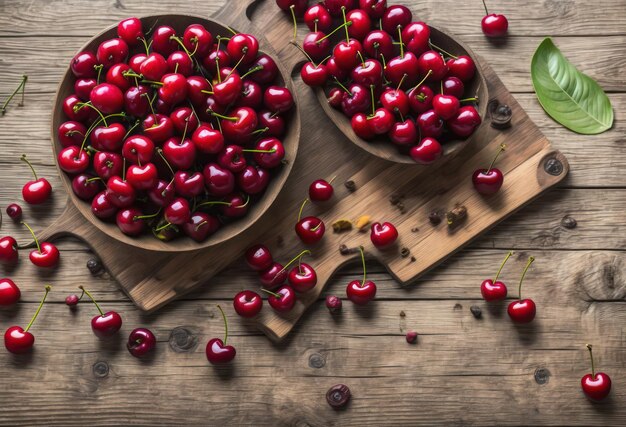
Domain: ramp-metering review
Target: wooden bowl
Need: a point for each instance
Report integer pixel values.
(382, 146)
(228, 231)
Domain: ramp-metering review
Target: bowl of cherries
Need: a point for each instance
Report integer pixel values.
(395, 86)
(174, 132)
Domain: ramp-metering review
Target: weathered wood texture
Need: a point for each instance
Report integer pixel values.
(463, 371)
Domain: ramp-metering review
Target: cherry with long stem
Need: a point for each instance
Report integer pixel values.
(593, 366)
(225, 324)
(92, 299)
(296, 258)
(502, 266)
(363, 262)
(34, 236)
(493, 162)
(22, 87)
(519, 288)
(43, 300)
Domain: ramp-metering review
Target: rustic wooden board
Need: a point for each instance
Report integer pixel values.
(153, 279)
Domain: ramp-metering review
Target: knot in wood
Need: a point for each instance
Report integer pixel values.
(501, 114)
(476, 311)
(338, 396)
(182, 340)
(317, 361)
(542, 376)
(553, 166)
(568, 222)
(100, 369)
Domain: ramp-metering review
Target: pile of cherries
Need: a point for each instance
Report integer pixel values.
(178, 133)
(386, 75)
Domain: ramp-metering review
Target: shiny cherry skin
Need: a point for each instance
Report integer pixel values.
(136, 101)
(317, 18)
(111, 52)
(275, 153)
(14, 211)
(107, 164)
(247, 303)
(427, 151)
(128, 222)
(334, 98)
(415, 36)
(402, 67)
(421, 99)
(320, 190)
(120, 193)
(106, 325)
(71, 133)
(162, 41)
(242, 47)
(107, 98)
(314, 75)
(219, 181)
(274, 276)
(36, 192)
(383, 235)
(361, 126)
(361, 23)
(208, 140)
(18, 341)
(8, 250)
(141, 341)
(47, 257)
(217, 353)
(135, 61)
(462, 67)
(228, 90)
(596, 387)
(237, 206)
(493, 291)
(378, 44)
(357, 101)
(174, 89)
(259, 257)
(232, 158)
(317, 51)
(432, 61)
(177, 212)
(346, 54)
(361, 293)
(130, 30)
(83, 88)
(382, 121)
(251, 95)
(396, 16)
(239, 130)
(85, 189)
(266, 70)
(138, 149)
(430, 124)
(453, 86)
(180, 154)
(285, 302)
(200, 226)
(487, 182)
(465, 122)
(494, 25)
(195, 86)
(278, 99)
(395, 101)
(74, 111)
(522, 311)
(158, 127)
(180, 62)
(198, 39)
(108, 138)
(9, 292)
(368, 73)
(102, 207)
(83, 65)
(335, 6)
(162, 193)
(374, 8)
(302, 278)
(253, 179)
(116, 77)
(154, 67)
(404, 133)
(446, 106)
(188, 183)
(310, 230)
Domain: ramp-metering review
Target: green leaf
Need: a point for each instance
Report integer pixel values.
(570, 97)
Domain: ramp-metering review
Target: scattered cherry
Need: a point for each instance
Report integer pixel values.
(522, 310)
(321, 190)
(494, 290)
(361, 292)
(309, 229)
(596, 385)
(494, 25)
(338, 396)
(333, 303)
(247, 303)
(217, 352)
(302, 278)
(383, 235)
(14, 211)
(46, 255)
(37, 191)
(18, 340)
(105, 324)
(9, 292)
(282, 300)
(489, 181)
(411, 337)
(259, 258)
(141, 341)
(8, 250)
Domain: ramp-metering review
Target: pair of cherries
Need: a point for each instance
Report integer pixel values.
(521, 310)
(45, 256)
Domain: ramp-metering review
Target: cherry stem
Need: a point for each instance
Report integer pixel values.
(234, 68)
(136, 217)
(400, 39)
(317, 227)
(343, 13)
(358, 52)
(34, 237)
(213, 202)
(185, 130)
(99, 68)
(343, 87)
(48, 287)
(22, 87)
(434, 46)
(301, 208)
(384, 62)
(295, 23)
(293, 42)
(475, 98)
(145, 44)
(401, 81)
(193, 110)
(88, 104)
(123, 168)
(95, 178)
(232, 119)
(332, 179)
(593, 366)
(421, 82)
(441, 87)
(163, 227)
(180, 42)
(502, 266)
(160, 153)
(485, 6)
(200, 225)
(345, 24)
(92, 299)
(25, 160)
(273, 150)
(274, 294)
(250, 71)
(530, 261)
(137, 123)
(363, 261)
(94, 125)
(296, 258)
(225, 323)
(502, 148)
(258, 131)
(152, 82)
(130, 73)
(373, 100)
(208, 92)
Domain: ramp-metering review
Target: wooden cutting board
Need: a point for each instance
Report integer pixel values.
(530, 165)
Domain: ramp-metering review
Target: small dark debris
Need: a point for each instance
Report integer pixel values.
(434, 217)
(402, 313)
(411, 337)
(344, 250)
(405, 252)
(569, 222)
(458, 306)
(94, 265)
(476, 311)
(415, 230)
(542, 376)
(395, 198)
(456, 216)
(413, 259)
(350, 185)
(280, 242)
(501, 114)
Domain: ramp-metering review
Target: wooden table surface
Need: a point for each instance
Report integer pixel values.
(462, 370)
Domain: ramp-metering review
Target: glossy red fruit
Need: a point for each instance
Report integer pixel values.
(46, 257)
(107, 98)
(283, 299)
(141, 341)
(9, 292)
(374, 8)
(18, 340)
(219, 181)
(489, 181)
(462, 67)
(111, 52)
(494, 290)
(420, 99)
(415, 36)
(247, 303)
(83, 65)
(253, 180)
(174, 89)
(37, 191)
(200, 226)
(130, 221)
(242, 47)
(402, 69)
(378, 44)
(358, 100)
(396, 16)
(427, 151)
(383, 235)
(208, 140)
(107, 164)
(395, 101)
(335, 6)
(432, 61)
(317, 18)
(310, 230)
(430, 124)
(120, 193)
(361, 126)
(361, 23)
(217, 352)
(453, 86)
(596, 385)
(494, 25)
(259, 257)
(314, 75)
(522, 310)
(333, 304)
(404, 133)
(14, 211)
(115, 76)
(102, 207)
(198, 39)
(8, 250)
(320, 190)
(162, 41)
(71, 133)
(177, 212)
(106, 324)
(83, 88)
(465, 122)
(346, 54)
(274, 276)
(130, 30)
(302, 277)
(360, 292)
(270, 153)
(86, 186)
(382, 121)
(263, 70)
(446, 106)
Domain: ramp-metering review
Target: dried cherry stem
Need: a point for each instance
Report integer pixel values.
(22, 87)
(345, 24)
(274, 294)
(485, 6)
(343, 14)
(363, 262)
(92, 299)
(434, 46)
(301, 208)
(502, 266)
(32, 320)
(225, 323)
(342, 86)
(421, 82)
(34, 237)
(593, 366)
(232, 70)
(519, 289)
(294, 259)
(502, 148)
(295, 22)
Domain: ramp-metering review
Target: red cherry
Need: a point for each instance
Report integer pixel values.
(228, 90)
(346, 53)
(302, 278)
(400, 71)
(263, 70)
(130, 30)
(361, 292)
(282, 300)
(333, 303)
(106, 324)
(489, 181)
(269, 153)
(596, 385)
(317, 18)
(259, 257)
(374, 8)
(361, 126)
(494, 290)
(144, 177)
(253, 179)
(107, 164)
(116, 76)
(465, 122)
(177, 212)
(162, 41)
(310, 230)
(158, 127)
(138, 149)
(102, 207)
(453, 86)
(135, 61)
(18, 340)
(75, 110)
(120, 193)
(335, 6)
(432, 61)
(179, 153)
(200, 226)
(14, 211)
(195, 86)
(130, 221)
(247, 303)
(37, 191)
(446, 106)
(361, 23)
(462, 67)
(404, 133)
(71, 133)
(274, 276)
(251, 95)
(46, 255)
(430, 124)
(216, 350)
(378, 44)
(219, 181)
(136, 101)
(141, 341)
(243, 47)
(383, 235)
(154, 67)
(71, 300)
(494, 25)
(522, 310)
(8, 250)
(188, 184)
(396, 16)
(382, 121)
(238, 127)
(427, 151)
(314, 75)
(83, 65)
(420, 99)
(107, 98)
(83, 88)
(320, 190)
(396, 101)
(356, 100)
(9, 292)
(162, 194)
(111, 52)
(108, 138)
(367, 73)
(278, 99)
(198, 39)
(174, 89)
(86, 186)
(415, 36)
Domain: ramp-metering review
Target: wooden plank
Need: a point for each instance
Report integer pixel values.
(526, 17)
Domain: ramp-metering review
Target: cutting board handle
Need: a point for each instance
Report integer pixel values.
(70, 223)
(235, 13)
